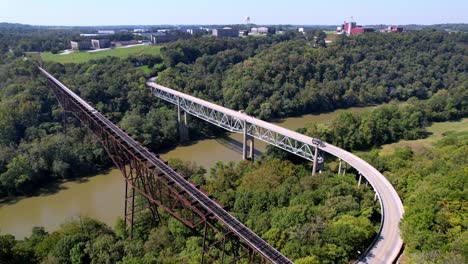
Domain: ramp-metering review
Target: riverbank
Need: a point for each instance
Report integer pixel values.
(101, 196)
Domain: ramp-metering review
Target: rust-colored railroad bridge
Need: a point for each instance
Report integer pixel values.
(225, 239)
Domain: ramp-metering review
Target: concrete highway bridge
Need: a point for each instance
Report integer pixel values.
(388, 243)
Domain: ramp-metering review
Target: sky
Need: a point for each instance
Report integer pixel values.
(296, 12)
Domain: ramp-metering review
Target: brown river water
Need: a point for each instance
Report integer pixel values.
(101, 196)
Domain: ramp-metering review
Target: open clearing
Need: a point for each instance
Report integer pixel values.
(436, 132)
(121, 52)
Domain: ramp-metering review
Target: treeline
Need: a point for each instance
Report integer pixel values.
(324, 219)
(432, 185)
(189, 51)
(391, 122)
(209, 58)
(291, 77)
(24, 38)
(20, 39)
(452, 27)
(47, 158)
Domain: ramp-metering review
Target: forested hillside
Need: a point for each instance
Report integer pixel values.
(326, 218)
(291, 77)
(433, 187)
(23, 38)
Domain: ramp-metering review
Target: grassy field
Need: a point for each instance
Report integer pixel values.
(145, 69)
(436, 132)
(332, 36)
(121, 52)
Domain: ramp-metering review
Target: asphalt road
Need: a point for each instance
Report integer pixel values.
(388, 243)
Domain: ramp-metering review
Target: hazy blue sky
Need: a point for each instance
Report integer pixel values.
(147, 12)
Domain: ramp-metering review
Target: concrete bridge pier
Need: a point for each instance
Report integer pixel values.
(183, 125)
(314, 164)
(339, 168)
(359, 182)
(248, 145)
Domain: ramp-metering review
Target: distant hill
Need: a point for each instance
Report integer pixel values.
(449, 27)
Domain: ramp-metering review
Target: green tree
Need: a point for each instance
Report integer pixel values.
(18, 177)
(105, 249)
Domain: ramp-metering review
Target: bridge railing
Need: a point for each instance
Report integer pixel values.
(213, 116)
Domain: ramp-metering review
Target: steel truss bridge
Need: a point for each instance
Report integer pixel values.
(225, 239)
(388, 243)
(238, 122)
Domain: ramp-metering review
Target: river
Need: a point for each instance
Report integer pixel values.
(101, 196)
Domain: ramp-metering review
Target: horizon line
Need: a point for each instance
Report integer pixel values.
(196, 24)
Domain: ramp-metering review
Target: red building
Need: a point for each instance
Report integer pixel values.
(395, 29)
(350, 28)
(359, 30)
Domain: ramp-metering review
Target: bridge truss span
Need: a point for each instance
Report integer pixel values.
(211, 115)
(163, 187)
(239, 122)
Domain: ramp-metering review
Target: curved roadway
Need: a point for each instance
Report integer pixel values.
(388, 243)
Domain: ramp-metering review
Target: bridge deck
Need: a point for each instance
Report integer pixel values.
(232, 223)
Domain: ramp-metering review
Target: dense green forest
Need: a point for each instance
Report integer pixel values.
(330, 227)
(292, 77)
(391, 122)
(433, 187)
(325, 219)
(23, 38)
